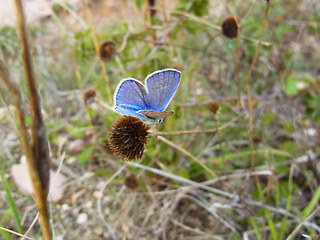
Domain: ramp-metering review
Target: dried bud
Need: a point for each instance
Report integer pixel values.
(229, 27)
(213, 107)
(132, 182)
(89, 96)
(107, 51)
(128, 138)
(256, 139)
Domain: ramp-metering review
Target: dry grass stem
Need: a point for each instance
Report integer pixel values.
(248, 80)
(185, 152)
(15, 233)
(37, 155)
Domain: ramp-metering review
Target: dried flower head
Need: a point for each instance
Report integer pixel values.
(256, 139)
(89, 96)
(132, 182)
(229, 27)
(107, 51)
(213, 107)
(128, 138)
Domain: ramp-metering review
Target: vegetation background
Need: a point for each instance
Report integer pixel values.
(257, 178)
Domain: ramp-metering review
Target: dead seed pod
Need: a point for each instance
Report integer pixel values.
(107, 51)
(229, 27)
(128, 138)
(89, 96)
(131, 182)
(213, 107)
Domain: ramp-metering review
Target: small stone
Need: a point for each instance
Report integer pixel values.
(82, 218)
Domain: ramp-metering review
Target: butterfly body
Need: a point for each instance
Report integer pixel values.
(147, 102)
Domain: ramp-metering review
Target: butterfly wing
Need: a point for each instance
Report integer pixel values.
(162, 85)
(130, 97)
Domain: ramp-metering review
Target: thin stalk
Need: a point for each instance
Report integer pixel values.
(37, 154)
(254, 61)
(194, 131)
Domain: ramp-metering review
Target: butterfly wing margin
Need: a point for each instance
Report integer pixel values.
(130, 97)
(162, 86)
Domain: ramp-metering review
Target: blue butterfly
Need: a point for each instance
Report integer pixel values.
(147, 102)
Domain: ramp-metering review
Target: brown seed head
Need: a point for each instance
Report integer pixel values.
(229, 27)
(132, 182)
(107, 51)
(213, 107)
(128, 138)
(256, 139)
(89, 96)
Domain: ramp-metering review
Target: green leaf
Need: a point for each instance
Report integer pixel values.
(11, 201)
(293, 84)
(289, 127)
(139, 3)
(268, 118)
(290, 86)
(289, 147)
(312, 204)
(198, 8)
(85, 155)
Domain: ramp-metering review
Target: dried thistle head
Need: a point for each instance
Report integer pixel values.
(128, 138)
(89, 96)
(131, 182)
(213, 107)
(107, 51)
(229, 27)
(256, 139)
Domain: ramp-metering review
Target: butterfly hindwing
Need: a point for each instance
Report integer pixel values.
(155, 114)
(161, 87)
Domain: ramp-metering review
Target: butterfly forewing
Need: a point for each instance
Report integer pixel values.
(130, 97)
(162, 85)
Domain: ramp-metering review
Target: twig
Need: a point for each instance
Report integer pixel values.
(193, 131)
(15, 233)
(194, 230)
(237, 200)
(24, 136)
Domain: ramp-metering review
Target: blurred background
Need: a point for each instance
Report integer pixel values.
(253, 65)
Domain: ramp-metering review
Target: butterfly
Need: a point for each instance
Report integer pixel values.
(147, 102)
